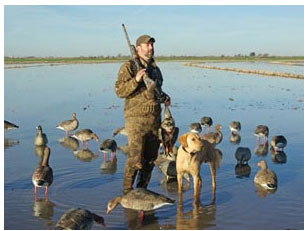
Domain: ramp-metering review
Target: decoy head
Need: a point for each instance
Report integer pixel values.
(95, 137)
(39, 128)
(74, 115)
(113, 203)
(262, 164)
(99, 219)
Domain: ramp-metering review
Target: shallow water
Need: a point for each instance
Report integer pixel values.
(46, 95)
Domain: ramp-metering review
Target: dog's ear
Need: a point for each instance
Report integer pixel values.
(183, 140)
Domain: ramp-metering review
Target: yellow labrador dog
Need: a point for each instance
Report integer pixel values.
(191, 153)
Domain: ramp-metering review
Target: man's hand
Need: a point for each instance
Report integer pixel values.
(140, 75)
(167, 101)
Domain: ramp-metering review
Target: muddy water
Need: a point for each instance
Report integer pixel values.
(46, 95)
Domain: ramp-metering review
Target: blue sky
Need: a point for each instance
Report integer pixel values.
(179, 30)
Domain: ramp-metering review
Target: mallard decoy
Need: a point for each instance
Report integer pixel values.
(278, 143)
(265, 177)
(85, 135)
(43, 174)
(40, 137)
(243, 155)
(78, 219)
(9, 126)
(206, 121)
(140, 199)
(195, 128)
(235, 127)
(262, 131)
(69, 125)
(214, 137)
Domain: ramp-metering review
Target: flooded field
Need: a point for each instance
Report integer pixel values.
(47, 95)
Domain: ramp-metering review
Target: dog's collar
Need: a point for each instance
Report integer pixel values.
(192, 153)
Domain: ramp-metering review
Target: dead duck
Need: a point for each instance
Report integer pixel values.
(195, 128)
(78, 219)
(206, 121)
(235, 127)
(9, 126)
(214, 137)
(43, 174)
(265, 178)
(243, 155)
(140, 199)
(69, 125)
(40, 137)
(262, 131)
(85, 135)
(278, 143)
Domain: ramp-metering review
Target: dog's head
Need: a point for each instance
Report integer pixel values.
(191, 141)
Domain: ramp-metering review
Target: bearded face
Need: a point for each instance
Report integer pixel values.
(146, 50)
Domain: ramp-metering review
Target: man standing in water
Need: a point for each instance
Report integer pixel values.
(142, 112)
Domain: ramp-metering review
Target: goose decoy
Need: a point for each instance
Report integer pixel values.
(196, 128)
(108, 145)
(140, 199)
(168, 132)
(43, 174)
(235, 127)
(262, 131)
(243, 155)
(265, 178)
(40, 137)
(78, 219)
(278, 143)
(214, 137)
(121, 131)
(206, 121)
(69, 125)
(168, 168)
(9, 126)
(85, 135)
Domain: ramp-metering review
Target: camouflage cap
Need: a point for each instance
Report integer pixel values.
(144, 39)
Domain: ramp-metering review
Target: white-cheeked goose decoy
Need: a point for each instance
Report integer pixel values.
(235, 127)
(195, 128)
(278, 143)
(78, 219)
(206, 121)
(40, 137)
(9, 126)
(140, 199)
(264, 177)
(69, 125)
(43, 174)
(262, 131)
(85, 135)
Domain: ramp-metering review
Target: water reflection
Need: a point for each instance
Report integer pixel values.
(44, 208)
(200, 217)
(242, 170)
(70, 143)
(279, 157)
(85, 155)
(39, 151)
(133, 220)
(262, 192)
(261, 149)
(171, 185)
(234, 138)
(8, 143)
(108, 165)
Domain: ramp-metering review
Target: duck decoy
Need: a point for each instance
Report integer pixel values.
(121, 131)
(265, 178)
(9, 126)
(278, 143)
(140, 199)
(243, 155)
(40, 137)
(235, 127)
(168, 132)
(69, 125)
(262, 131)
(206, 121)
(196, 128)
(214, 137)
(78, 219)
(108, 145)
(43, 174)
(85, 135)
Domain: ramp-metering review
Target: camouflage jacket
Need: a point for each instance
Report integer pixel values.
(138, 100)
